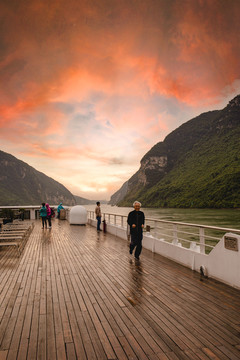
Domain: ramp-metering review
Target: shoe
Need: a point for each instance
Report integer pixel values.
(137, 257)
(50, 227)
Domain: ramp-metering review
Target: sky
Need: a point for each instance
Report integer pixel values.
(87, 87)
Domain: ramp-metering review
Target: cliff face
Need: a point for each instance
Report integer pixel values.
(21, 184)
(154, 165)
(119, 195)
(196, 165)
(152, 169)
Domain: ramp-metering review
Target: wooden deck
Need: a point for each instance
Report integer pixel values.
(77, 294)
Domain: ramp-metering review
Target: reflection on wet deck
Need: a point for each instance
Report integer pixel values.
(78, 294)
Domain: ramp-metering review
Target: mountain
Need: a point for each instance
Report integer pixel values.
(197, 165)
(82, 201)
(21, 184)
(120, 194)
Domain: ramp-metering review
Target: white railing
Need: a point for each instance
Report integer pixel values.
(182, 234)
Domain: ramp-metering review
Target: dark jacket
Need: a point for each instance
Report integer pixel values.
(137, 218)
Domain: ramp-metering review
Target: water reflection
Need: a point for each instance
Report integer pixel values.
(136, 286)
(46, 235)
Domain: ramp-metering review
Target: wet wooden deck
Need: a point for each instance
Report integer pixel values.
(76, 294)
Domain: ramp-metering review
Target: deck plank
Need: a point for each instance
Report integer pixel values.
(76, 294)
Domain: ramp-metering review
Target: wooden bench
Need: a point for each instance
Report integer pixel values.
(11, 244)
(12, 228)
(15, 235)
(24, 234)
(11, 231)
(26, 225)
(11, 241)
(16, 229)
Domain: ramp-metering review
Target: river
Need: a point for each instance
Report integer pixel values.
(214, 217)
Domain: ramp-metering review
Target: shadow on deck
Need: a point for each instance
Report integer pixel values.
(77, 294)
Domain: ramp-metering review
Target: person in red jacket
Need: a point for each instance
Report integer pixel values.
(49, 215)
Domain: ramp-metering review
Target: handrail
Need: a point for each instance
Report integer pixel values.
(196, 225)
(178, 223)
(159, 232)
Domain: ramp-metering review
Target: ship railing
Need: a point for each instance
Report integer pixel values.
(201, 238)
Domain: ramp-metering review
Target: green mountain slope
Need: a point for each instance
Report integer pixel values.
(83, 201)
(201, 166)
(21, 184)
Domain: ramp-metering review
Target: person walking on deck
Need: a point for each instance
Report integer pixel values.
(98, 215)
(43, 215)
(49, 215)
(136, 220)
(60, 207)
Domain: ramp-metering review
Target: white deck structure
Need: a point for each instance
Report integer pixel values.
(214, 249)
(78, 215)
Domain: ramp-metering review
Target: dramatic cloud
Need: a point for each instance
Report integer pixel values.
(101, 82)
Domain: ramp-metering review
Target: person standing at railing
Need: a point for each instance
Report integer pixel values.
(136, 220)
(98, 215)
(60, 207)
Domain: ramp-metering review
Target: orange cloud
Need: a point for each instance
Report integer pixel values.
(121, 73)
(81, 49)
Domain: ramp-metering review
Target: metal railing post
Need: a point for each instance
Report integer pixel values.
(155, 228)
(175, 234)
(202, 240)
(153, 245)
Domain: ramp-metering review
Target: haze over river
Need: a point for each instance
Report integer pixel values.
(214, 217)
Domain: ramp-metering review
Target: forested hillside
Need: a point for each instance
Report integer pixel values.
(21, 184)
(197, 165)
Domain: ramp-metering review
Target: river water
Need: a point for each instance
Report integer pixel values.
(229, 218)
